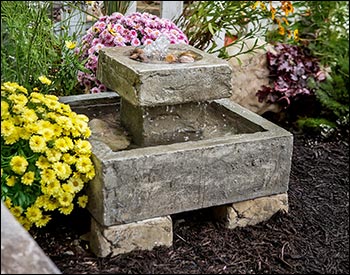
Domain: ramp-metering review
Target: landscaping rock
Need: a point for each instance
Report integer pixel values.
(20, 254)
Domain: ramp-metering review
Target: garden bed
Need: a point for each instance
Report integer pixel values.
(312, 238)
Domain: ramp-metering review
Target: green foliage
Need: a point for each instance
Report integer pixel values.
(27, 42)
(30, 48)
(316, 125)
(324, 29)
(333, 96)
(115, 6)
(203, 21)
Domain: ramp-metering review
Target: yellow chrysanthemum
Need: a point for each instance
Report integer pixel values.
(67, 188)
(7, 128)
(33, 214)
(37, 97)
(57, 130)
(29, 115)
(47, 202)
(48, 176)
(25, 222)
(82, 147)
(28, 178)
(43, 221)
(84, 164)
(52, 104)
(44, 80)
(32, 128)
(13, 137)
(52, 97)
(68, 158)
(18, 164)
(4, 109)
(89, 175)
(47, 133)
(66, 210)
(19, 99)
(37, 144)
(82, 201)
(52, 188)
(76, 184)
(64, 122)
(16, 211)
(8, 202)
(53, 155)
(65, 109)
(61, 145)
(62, 170)
(11, 180)
(65, 199)
(42, 162)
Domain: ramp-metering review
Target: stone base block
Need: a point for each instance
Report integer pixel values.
(140, 235)
(251, 212)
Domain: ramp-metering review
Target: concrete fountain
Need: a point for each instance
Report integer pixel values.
(169, 140)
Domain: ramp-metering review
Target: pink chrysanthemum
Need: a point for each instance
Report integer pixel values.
(119, 30)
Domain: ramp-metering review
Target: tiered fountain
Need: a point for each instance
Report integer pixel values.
(183, 145)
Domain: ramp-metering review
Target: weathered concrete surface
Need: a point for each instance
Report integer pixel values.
(141, 235)
(20, 254)
(161, 180)
(148, 84)
(150, 126)
(251, 212)
(249, 73)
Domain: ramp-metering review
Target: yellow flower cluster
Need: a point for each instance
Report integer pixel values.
(45, 153)
(279, 18)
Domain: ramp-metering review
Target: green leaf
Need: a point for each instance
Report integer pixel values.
(210, 27)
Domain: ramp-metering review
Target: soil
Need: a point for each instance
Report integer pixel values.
(313, 237)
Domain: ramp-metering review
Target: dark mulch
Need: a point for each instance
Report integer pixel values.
(312, 238)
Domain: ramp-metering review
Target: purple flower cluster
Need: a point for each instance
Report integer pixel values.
(117, 30)
(291, 70)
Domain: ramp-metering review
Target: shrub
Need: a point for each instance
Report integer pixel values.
(30, 47)
(118, 30)
(291, 68)
(204, 21)
(324, 30)
(45, 155)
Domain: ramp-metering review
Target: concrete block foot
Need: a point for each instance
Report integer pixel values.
(250, 212)
(124, 238)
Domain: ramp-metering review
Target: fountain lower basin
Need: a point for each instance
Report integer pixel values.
(136, 183)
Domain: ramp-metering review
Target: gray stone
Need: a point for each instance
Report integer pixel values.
(156, 181)
(249, 74)
(150, 126)
(148, 84)
(251, 212)
(141, 235)
(112, 136)
(20, 254)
